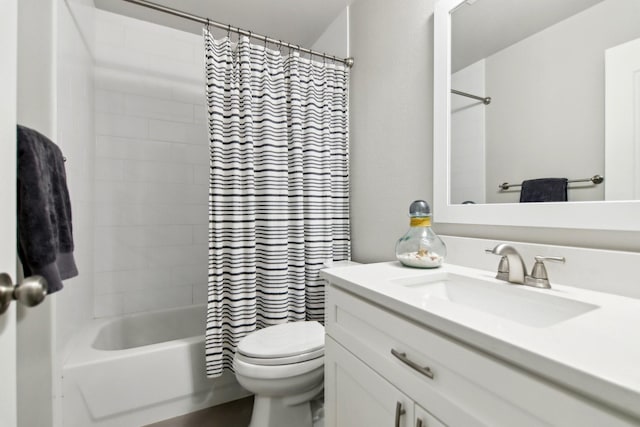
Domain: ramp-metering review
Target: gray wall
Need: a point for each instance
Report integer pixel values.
(391, 99)
(392, 135)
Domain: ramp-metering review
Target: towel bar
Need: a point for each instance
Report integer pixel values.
(595, 179)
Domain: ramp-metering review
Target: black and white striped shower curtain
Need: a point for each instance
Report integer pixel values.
(279, 189)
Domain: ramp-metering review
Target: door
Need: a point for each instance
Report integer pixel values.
(425, 419)
(8, 66)
(622, 122)
(356, 396)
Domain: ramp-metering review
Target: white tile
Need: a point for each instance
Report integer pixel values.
(132, 81)
(198, 154)
(109, 282)
(177, 194)
(109, 169)
(200, 114)
(158, 299)
(158, 172)
(154, 41)
(145, 235)
(123, 126)
(189, 274)
(191, 93)
(178, 132)
(145, 106)
(108, 305)
(201, 174)
(121, 59)
(200, 293)
(111, 255)
(201, 233)
(149, 214)
(107, 30)
(107, 101)
(187, 72)
(150, 150)
(173, 256)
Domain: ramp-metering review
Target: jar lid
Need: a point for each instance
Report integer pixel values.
(419, 208)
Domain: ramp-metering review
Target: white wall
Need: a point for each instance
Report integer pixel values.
(76, 140)
(335, 39)
(75, 136)
(547, 118)
(392, 136)
(152, 167)
(468, 135)
(391, 103)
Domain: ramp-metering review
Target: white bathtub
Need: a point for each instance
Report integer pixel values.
(142, 368)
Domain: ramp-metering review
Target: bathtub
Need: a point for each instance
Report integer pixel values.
(142, 368)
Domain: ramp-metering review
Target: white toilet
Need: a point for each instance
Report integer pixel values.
(283, 366)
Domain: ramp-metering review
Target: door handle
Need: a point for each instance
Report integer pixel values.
(30, 292)
(424, 370)
(399, 413)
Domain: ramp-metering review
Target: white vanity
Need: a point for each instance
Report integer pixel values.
(454, 346)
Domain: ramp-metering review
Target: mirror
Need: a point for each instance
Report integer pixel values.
(543, 64)
(552, 111)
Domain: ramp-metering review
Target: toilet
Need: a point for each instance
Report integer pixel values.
(283, 365)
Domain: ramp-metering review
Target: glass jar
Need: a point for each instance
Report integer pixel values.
(420, 247)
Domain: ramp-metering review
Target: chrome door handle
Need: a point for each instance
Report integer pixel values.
(399, 412)
(426, 371)
(30, 292)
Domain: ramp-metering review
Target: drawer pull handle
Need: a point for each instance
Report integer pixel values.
(399, 412)
(419, 422)
(426, 371)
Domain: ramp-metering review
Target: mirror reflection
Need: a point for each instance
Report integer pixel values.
(562, 78)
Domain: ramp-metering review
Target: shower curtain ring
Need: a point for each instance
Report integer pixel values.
(229, 31)
(207, 24)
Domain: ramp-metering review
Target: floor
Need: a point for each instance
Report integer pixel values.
(232, 414)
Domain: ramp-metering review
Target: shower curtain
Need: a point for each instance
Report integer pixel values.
(279, 188)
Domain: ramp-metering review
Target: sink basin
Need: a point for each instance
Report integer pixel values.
(527, 306)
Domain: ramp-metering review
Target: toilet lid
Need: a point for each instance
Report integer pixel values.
(284, 341)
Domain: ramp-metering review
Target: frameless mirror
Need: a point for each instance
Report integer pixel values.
(549, 68)
(563, 78)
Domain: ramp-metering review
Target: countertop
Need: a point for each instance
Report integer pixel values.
(596, 353)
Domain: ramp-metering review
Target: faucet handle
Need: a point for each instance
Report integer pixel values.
(539, 277)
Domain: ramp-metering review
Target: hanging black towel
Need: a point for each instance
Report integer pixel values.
(45, 239)
(544, 190)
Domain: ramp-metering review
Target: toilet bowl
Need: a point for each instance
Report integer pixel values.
(283, 365)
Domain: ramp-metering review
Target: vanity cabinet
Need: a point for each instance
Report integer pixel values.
(437, 380)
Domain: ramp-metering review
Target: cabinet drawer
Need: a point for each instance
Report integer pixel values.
(468, 388)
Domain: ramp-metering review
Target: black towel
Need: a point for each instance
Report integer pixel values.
(544, 190)
(45, 239)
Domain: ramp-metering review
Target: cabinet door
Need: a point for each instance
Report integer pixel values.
(425, 419)
(358, 397)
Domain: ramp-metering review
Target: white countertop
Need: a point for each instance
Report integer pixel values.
(596, 353)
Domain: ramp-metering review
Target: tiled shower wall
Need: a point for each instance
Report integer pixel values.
(151, 174)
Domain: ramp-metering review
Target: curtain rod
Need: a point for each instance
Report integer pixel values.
(206, 21)
(486, 100)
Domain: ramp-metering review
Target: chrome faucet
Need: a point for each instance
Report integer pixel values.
(515, 269)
